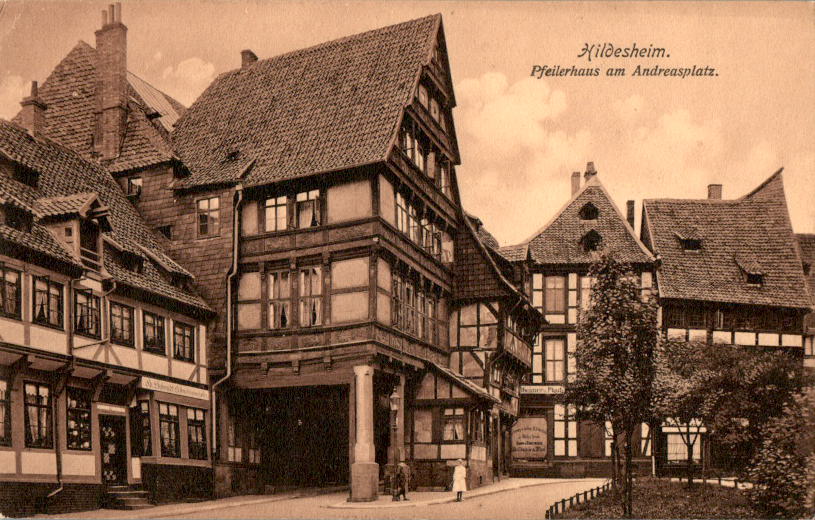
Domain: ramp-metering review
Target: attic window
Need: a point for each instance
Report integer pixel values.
(755, 279)
(589, 212)
(591, 241)
(18, 219)
(134, 186)
(133, 263)
(232, 155)
(26, 175)
(691, 244)
(167, 231)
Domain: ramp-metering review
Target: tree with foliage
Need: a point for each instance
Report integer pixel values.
(731, 391)
(616, 342)
(783, 469)
(682, 391)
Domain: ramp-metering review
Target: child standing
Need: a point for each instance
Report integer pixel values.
(460, 480)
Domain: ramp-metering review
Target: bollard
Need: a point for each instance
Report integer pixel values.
(571, 501)
(720, 480)
(585, 496)
(563, 504)
(592, 492)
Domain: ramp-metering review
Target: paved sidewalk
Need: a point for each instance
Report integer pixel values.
(428, 498)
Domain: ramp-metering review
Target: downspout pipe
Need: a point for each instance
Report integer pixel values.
(55, 416)
(233, 270)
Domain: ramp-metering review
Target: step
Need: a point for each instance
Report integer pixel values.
(127, 493)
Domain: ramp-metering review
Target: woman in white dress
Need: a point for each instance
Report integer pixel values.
(460, 480)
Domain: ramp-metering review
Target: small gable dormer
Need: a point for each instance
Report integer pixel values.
(689, 239)
(752, 270)
(591, 241)
(77, 221)
(588, 212)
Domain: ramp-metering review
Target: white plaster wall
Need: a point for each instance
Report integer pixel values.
(8, 462)
(349, 273)
(154, 363)
(37, 463)
(182, 369)
(792, 340)
(676, 333)
(697, 335)
(128, 357)
(48, 339)
(768, 340)
(347, 307)
(349, 201)
(745, 338)
(453, 451)
(135, 467)
(79, 464)
(387, 201)
(11, 331)
(721, 336)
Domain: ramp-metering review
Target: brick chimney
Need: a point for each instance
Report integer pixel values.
(629, 212)
(248, 58)
(714, 191)
(590, 171)
(575, 182)
(33, 113)
(111, 83)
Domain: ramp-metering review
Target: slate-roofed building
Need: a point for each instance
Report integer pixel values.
(558, 257)
(101, 336)
(729, 272)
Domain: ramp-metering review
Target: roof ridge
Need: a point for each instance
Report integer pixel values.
(335, 41)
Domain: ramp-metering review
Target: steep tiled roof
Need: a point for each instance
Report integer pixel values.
(324, 108)
(750, 234)
(65, 179)
(517, 253)
(70, 120)
(559, 241)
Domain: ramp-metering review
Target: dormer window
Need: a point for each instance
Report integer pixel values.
(89, 245)
(691, 244)
(232, 155)
(755, 279)
(591, 241)
(26, 175)
(134, 186)
(18, 218)
(589, 212)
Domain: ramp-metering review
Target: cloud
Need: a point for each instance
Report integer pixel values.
(519, 143)
(12, 90)
(187, 79)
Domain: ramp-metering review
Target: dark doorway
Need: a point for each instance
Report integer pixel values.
(303, 434)
(114, 456)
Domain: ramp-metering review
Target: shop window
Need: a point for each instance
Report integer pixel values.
(121, 324)
(5, 413)
(86, 314)
(279, 289)
(555, 354)
(208, 211)
(196, 434)
(565, 431)
(140, 437)
(183, 342)
(154, 338)
(678, 449)
(9, 292)
(234, 451)
(275, 214)
(168, 430)
(47, 302)
(555, 294)
(249, 295)
(78, 419)
(308, 209)
(311, 290)
(453, 425)
(38, 432)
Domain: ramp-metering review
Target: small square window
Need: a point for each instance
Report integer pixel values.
(134, 186)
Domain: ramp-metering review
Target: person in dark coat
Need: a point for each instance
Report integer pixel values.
(400, 482)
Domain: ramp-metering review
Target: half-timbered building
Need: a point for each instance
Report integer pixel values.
(729, 273)
(548, 440)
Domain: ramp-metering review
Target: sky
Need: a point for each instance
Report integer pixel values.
(520, 137)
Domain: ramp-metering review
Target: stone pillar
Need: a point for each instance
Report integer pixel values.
(364, 470)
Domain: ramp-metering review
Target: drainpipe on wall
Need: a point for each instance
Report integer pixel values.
(233, 270)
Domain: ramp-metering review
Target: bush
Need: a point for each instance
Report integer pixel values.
(783, 470)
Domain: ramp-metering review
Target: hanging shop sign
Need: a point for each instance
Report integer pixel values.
(148, 383)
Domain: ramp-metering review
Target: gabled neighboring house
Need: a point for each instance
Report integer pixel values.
(103, 370)
(729, 272)
(806, 244)
(558, 256)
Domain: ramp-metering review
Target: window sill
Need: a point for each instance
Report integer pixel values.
(10, 316)
(60, 327)
(184, 360)
(123, 344)
(155, 352)
(86, 335)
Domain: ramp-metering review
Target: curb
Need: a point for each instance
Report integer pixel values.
(151, 513)
(448, 499)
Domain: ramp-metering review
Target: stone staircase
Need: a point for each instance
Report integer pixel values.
(126, 497)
